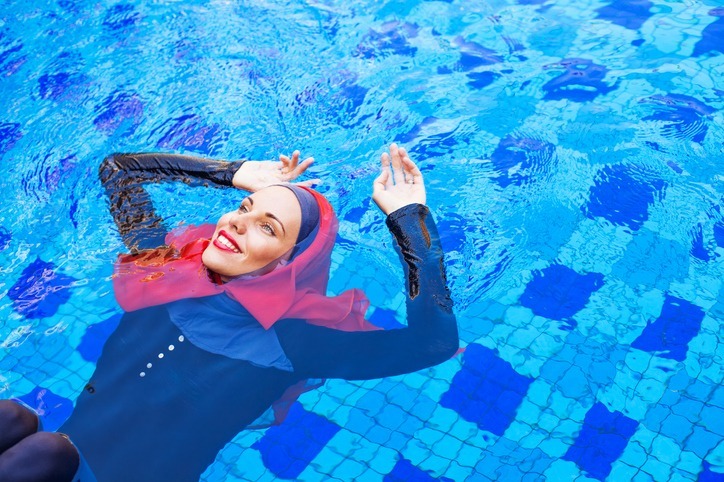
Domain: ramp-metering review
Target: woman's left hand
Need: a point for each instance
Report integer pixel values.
(400, 182)
(255, 175)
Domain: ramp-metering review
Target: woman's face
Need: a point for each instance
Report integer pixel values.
(253, 238)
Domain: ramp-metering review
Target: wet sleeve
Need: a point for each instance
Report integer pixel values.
(123, 177)
(431, 335)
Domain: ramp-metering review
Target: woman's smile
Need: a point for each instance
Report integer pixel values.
(225, 242)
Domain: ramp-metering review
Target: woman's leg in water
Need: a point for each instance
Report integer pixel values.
(28, 455)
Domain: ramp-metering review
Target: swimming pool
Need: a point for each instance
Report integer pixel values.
(572, 152)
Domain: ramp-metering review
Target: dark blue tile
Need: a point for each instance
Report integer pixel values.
(119, 110)
(473, 55)
(287, 449)
(189, 132)
(582, 81)
(622, 195)
(670, 334)
(719, 234)
(557, 292)
(707, 475)
(601, 441)
(53, 409)
(10, 133)
(685, 117)
(698, 247)
(5, 237)
(712, 37)
(95, 336)
(630, 14)
(40, 290)
(390, 39)
(480, 80)
(11, 57)
(385, 319)
(120, 17)
(518, 160)
(486, 391)
(404, 471)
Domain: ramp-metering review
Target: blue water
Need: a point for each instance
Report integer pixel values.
(573, 157)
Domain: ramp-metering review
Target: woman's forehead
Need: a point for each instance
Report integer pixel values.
(277, 200)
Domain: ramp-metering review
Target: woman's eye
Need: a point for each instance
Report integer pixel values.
(242, 208)
(268, 228)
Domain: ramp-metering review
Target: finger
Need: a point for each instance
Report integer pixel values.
(411, 169)
(310, 183)
(295, 159)
(284, 163)
(302, 167)
(381, 182)
(385, 158)
(399, 177)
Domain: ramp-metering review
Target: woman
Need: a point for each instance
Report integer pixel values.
(225, 320)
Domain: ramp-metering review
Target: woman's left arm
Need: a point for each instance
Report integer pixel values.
(431, 335)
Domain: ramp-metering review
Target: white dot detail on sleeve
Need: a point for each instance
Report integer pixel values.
(160, 355)
(149, 365)
(171, 347)
(142, 374)
(181, 338)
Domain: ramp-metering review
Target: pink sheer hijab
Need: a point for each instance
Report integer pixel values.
(296, 290)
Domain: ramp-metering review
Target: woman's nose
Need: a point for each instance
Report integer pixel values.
(238, 222)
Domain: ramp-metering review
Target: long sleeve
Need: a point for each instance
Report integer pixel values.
(123, 177)
(430, 337)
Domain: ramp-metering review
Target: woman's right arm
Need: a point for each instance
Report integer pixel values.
(123, 177)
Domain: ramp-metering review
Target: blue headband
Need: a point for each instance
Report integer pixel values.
(310, 218)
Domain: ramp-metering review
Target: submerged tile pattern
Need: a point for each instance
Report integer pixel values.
(571, 154)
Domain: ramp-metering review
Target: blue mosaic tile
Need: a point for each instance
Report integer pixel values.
(52, 409)
(10, 57)
(685, 116)
(670, 334)
(189, 132)
(558, 292)
(40, 290)
(712, 37)
(645, 246)
(95, 336)
(385, 319)
(54, 86)
(719, 234)
(119, 110)
(480, 80)
(519, 160)
(390, 39)
(486, 391)
(120, 16)
(582, 81)
(630, 14)
(707, 475)
(702, 441)
(404, 471)
(287, 449)
(601, 442)
(698, 248)
(10, 133)
(507, 460)
(5, 237)
(622, 195)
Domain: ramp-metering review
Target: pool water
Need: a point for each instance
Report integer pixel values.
(573, 155)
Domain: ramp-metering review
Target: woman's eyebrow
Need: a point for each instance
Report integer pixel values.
(251, 201)
(277, 220)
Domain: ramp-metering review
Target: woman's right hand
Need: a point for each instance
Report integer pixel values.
(255, 175)
(400, 182)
